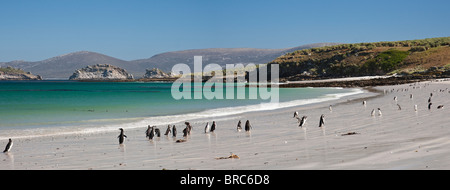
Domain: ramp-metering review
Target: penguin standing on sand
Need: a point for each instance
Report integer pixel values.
(415, 107)
(207, 127)
(379, 112)
(321, 122)
(121, 136)
(147, 132)
(239, 127)
(174, 131)
(373, 112)
(157, 131)
(167, 130)
(429, 106)
(213, 127)
(303, 121)
(8, 146)
(248, 126)
(295, 114)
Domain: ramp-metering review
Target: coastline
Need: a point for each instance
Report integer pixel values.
(399, 139)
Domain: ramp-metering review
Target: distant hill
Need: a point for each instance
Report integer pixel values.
(63, 66)
(409, 57)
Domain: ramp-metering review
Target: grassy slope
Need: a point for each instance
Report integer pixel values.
(377, 58)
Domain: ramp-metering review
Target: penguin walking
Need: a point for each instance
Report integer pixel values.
(239, 127)
(248, 126)
(147, 132)
(151, 133)
(379, 112)
(188, 127)
(303, 121)
(121, 136)
(295, 114)
(399, 107)
(213, 127)
(167, 130)
(207, 128)
(321, 122)
(8, 146)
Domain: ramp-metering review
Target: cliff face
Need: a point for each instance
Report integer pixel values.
(10, 73)
(101, 72)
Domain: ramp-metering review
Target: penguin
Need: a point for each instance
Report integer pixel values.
(121, 136)
(364, 103)
(321, 122)
(151, 133)
(213, 127)
(248, 126)
(395, 98)
(8, 146)
(157, 132)
(429, 106)
(399, 107)
(373, 112)
(411, 96)
(147, 132)
(440, 107)
(429, 99)
(295, 114)
(330, 108)
(185, 131)
(188, 127)
(174, 131)
(303, 121)
(379, 112)
(207, 127)
(239, 127)
(167, 130)
(415, 107)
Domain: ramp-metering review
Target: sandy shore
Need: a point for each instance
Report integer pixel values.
(399, 139)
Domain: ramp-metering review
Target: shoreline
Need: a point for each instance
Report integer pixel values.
(399, 139)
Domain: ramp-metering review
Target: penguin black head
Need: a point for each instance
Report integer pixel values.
(121, 129)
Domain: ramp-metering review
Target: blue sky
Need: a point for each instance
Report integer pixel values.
(34, 30)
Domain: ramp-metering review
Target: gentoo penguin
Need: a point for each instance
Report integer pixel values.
(239, 127)
(213, 127)
(185, 131)
(429, 106)
(167, 130)
(379, 112)
(188, 127)
(295, 114)
(373, 112)
(207, 128)
(157, 131)
(321, 122)
(151, 133)
(8, 146)
(174, 131)
(303, 121)
(440, 107)
(147, 132)
(121, 136)
(415, 107)
(248, 126)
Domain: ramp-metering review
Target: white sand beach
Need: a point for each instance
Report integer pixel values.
(399, 139)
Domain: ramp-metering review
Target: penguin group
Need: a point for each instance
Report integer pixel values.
(302, 121)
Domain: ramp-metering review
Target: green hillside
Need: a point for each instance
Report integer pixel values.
(411, 57)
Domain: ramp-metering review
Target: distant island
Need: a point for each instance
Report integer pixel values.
(101, 72)
(9, 73)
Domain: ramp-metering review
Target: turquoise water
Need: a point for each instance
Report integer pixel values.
(66, 105)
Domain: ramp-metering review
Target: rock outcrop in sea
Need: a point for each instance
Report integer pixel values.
(101, 72)
(9, 73)
(155, 73)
